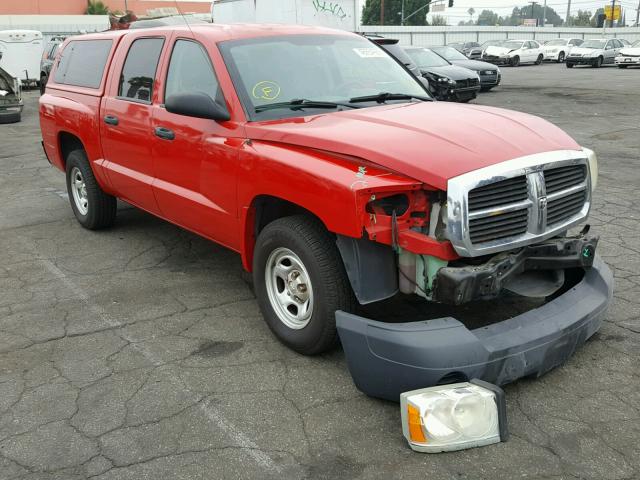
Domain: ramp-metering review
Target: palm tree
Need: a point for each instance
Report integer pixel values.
(96, 7)
(471, 12)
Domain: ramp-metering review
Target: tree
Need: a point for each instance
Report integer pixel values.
(488, 18)
(96, 7)
(393, 10)
(471, 11)
(438, 21)
(582, 19)
(519, 14)
(594, 19)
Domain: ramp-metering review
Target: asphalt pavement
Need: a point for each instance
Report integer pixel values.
(140, 353)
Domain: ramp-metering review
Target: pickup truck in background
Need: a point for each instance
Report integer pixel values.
(328, 167)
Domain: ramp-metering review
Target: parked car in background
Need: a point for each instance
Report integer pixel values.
(48, 56)
(514, 53)
(468, 49)
(557, 50)
(489, 74)
(595, 52)
(449, 82)
(490, 43)
(10, 98)
(629, 56)
(393, 48)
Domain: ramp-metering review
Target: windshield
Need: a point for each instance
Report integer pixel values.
(426, 58)
(558, 42)
(636, 43)
(319, 68)
(449, 53)
(593, 44)
(492, 43)
(512, 44)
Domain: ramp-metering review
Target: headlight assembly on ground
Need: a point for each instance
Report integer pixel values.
(454, 417)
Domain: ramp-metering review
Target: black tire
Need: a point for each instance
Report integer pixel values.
(43, 84)
(539, 59)
(10, 117)
(316, 248)
(569, 65)
(486, 89)
(102, 207)
(515, 61)
(561, 57)
(597, 63)
(623, 66)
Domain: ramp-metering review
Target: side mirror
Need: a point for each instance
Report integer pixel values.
(196, 104)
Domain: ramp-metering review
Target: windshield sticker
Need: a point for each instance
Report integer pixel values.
(370, 52)
(266, 90)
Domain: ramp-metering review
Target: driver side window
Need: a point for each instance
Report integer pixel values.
(190, 71)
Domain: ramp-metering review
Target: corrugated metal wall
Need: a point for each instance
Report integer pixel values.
(424, 36)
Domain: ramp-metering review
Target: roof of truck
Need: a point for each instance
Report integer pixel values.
(218, 32)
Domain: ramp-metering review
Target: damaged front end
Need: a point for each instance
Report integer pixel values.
(498, 231)
(11, 104)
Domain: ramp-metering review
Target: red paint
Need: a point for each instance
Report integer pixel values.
(208, 179)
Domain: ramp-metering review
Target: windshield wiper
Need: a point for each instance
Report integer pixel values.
(301, 103)
(384, 96)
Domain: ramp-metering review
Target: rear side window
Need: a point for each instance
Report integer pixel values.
(82, 63)
(190, 71)
(139, 70)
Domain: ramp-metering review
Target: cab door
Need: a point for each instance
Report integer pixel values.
(196, 159)
(125, 126)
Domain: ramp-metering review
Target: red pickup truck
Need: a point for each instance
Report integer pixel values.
(328, 167)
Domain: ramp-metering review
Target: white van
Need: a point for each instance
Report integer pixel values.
(20, 52)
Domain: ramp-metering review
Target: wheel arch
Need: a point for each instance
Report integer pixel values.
(263, 210)
(67, 143)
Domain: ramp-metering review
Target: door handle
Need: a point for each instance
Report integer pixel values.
(165, 133)
(111, 120)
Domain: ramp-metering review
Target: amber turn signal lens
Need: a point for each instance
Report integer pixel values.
(415, 425)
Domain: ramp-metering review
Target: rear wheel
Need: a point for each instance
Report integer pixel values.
(569, 65)
(597, 63)
(94, 209)
(43, 84)
(515, 61)
(300, 282)
(623, 66)
(561, 57)
(539, 59)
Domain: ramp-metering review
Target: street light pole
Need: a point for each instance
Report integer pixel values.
(402, 14)
(613, 9)
(381, 12)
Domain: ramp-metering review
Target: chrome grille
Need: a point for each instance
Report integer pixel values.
(517, 202)
(562, 208)
(499, 226)
(561, 178)
(507, 191)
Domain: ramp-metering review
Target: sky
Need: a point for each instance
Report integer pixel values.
(504, 7)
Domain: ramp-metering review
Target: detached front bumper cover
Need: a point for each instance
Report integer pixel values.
(386, 359)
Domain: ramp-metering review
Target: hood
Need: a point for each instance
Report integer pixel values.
(585, 51)
(452, 71)
(634, 51)
(474, 65)
(493, 50)
(428, 141)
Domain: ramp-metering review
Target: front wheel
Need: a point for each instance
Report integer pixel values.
(515, 61)
(561, 57)
(539, 59)
(597, 63)
(94, 209)
(623, 66)
(300, 282)
(569, 65)
(43, 84)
